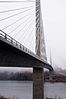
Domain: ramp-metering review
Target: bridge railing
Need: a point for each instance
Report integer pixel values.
(14, 42)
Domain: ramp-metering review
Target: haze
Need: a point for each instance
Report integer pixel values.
(54, 19)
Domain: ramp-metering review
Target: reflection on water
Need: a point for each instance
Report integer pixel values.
(24, 89)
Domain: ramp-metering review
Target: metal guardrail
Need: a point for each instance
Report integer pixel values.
(14, 42)
(17, 44)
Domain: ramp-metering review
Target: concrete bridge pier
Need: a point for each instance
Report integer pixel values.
(38, 83)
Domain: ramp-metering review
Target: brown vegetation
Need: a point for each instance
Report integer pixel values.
(59, 78)
(2, 97)
(48, 98)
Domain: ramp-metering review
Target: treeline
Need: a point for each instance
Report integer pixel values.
(28, 76)
(16, 76)
(59, 78)
(55, 77)
(20, 76)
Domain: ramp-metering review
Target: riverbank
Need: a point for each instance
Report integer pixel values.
(28, 76)
(2, 97)
(53, 98)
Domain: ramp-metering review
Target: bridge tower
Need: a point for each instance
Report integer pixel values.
(38, 73)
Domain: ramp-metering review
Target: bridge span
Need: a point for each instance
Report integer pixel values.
(14, 54)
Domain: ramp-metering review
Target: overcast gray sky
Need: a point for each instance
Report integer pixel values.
(54, 19)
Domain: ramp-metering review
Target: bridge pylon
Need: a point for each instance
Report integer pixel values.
(38, 73)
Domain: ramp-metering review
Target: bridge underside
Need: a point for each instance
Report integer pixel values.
(11, 56)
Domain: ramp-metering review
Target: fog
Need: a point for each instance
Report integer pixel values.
(54, 19)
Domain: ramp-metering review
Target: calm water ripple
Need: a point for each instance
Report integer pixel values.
(24, 89)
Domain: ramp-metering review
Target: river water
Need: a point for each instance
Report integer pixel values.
(24, 89)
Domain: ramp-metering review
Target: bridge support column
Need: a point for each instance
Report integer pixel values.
(38, 83)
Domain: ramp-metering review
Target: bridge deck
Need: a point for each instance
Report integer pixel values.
(12, 53)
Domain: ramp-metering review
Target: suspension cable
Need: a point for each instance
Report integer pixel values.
(19, 25)
(29, 43)
(15, 9)
(16, 1)
(23, 27)
(16, 21)
(14, 15)
(27, 30)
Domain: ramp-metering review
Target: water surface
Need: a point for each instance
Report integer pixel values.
(24, 89)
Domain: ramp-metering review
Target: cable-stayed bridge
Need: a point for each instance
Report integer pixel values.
(22, 41)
